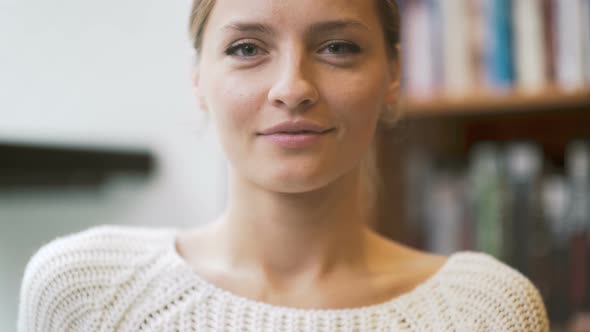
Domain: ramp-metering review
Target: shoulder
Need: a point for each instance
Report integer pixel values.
(492, 293)
(95, 246)
(67, 278)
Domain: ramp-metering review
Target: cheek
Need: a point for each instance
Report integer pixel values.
(235, 102)
(357, 101)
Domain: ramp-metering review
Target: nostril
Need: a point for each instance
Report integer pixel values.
(293, 94)
(301, 105)
(278, 103)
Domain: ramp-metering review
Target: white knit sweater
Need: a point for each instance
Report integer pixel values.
(114, 278)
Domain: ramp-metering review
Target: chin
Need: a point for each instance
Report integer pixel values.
(297, 182)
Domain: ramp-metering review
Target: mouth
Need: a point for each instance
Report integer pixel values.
(296, 127)
(300, 132)
(299, 139)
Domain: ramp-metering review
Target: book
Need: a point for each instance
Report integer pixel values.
(549, 36)
(486, 198)
(529, 52)
(523, 166)
(456, 26)
(569, 47)
(417, 38)
(578, 169)
(497, 48)
(585, 34)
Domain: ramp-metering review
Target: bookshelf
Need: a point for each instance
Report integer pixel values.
(485, 103)
(496, 118)
(448, 130)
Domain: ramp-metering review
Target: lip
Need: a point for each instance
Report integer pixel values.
(296, 127)
(296, 140)
(296, 134)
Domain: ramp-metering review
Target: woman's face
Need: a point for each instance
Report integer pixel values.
(267, 62)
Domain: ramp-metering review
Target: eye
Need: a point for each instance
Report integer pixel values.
(341, 47)
(243, 49)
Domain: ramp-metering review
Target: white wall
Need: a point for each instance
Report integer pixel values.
(115, 73)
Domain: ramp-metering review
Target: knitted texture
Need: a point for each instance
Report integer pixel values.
(115, 278)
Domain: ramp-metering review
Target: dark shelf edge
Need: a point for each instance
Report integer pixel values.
(41, 166)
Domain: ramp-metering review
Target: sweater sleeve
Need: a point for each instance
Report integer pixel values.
(61, 290)
(525, 310)
(530, 313)
(497, 297)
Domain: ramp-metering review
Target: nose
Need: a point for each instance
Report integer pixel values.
(293, 88)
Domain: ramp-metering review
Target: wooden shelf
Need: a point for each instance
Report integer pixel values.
(549, 100)
(447, 129)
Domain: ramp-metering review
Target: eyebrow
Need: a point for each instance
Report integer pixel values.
(330, 26)
(249, 27)
(321, 27)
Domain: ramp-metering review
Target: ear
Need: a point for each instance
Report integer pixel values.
(197, 91)
(395, 74)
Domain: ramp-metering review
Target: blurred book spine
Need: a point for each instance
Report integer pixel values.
(586, 37)
(578, 167)
(529, 42)
(556, 197)
(458, 75)
(418, 42)
(486, 199)
(498, 66)
(445, 213)
(523, 167)
(569, 52)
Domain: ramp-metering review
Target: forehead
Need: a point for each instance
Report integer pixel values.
(293, 14)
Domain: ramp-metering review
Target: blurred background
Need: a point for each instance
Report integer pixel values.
(493, 153)
(98, 125)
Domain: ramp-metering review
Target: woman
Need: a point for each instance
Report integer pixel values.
(297, 90)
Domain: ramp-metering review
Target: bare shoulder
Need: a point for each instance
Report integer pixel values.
(422, 265)
(405, 267)
(401, 256)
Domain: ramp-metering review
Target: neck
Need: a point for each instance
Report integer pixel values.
(288, 236)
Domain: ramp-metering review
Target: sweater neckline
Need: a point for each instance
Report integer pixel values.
(222, 293)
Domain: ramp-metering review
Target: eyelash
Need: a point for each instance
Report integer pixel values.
(238, 45)
(352, 48)
(231, 50)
